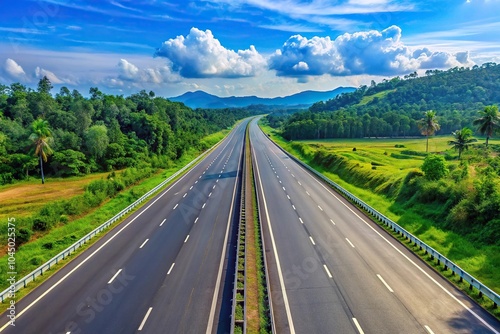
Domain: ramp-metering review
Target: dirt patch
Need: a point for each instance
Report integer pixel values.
(27, 198)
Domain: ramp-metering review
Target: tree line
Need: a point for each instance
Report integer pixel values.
(68, 134)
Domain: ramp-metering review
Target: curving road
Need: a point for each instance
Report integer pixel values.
(160, 271)
(334, 271)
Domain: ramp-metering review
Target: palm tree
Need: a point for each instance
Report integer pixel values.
(428, 126)
(489, 121)
(463, 139)
(41, 137)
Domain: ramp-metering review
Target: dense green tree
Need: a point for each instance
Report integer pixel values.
(44, 85)
(96, 140)
(489, 122)
(41, 137)
(428, 126)
(463, 139)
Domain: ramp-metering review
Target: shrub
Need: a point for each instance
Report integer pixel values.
(415, 153)
(23, 235)
(434, 167)
(42, 223)
(48, 245)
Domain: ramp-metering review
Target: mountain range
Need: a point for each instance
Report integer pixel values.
(201, 99)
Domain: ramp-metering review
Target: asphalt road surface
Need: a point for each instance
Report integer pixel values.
(334, 271)
(160, 271)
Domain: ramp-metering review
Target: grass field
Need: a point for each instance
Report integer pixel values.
(28, 197)
(481, 261)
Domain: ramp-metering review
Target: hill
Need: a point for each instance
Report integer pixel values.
(201, 99)
(393, 107)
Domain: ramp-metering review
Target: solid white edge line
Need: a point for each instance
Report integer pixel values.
(163, 221)
(171, 267)
(144, 243)
(114, 276)
(427, 328)
(385, 283)
(358, 327)
(312, 240)
(327, 271)
(185, 240)
(211, 316)
(145, 319)
(96, 251)
(474, 314)
(350, 243)
(278, 264)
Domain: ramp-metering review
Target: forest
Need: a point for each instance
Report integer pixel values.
(68, 134)
(393, 108)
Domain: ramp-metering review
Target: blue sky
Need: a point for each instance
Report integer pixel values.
(239, 47)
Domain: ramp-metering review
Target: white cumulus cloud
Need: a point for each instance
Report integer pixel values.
(371, 52)
(40, 73)
(200, 55)
(130, 72)
(14, 70)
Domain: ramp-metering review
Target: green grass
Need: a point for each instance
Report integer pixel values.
(31, 255)
(370, 98)
(481, 261)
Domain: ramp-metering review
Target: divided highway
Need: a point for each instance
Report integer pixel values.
(163, 270)
(334, 271)
(160, 271)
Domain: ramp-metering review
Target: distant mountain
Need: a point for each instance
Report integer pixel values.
(200, 99)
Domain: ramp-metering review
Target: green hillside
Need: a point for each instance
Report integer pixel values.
(393, 107)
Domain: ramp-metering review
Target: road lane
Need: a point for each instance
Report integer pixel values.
(85, 297)
(356, 254)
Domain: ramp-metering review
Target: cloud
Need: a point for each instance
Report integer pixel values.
(371, 52)
(130, 72)
(200, 55)
(40, 73)
(14, 70)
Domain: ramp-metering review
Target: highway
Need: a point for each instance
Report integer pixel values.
(332, 270)
(160, 271)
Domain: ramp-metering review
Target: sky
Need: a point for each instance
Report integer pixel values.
(266, 48)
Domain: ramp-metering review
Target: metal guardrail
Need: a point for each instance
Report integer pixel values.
(22, 283)
(456, 270)
(240, 274)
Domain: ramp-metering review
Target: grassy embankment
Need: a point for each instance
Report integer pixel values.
(382, 168)
(26, 199)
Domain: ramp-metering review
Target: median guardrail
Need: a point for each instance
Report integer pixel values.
(455, 269)
(239, 309)
(7, 293)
